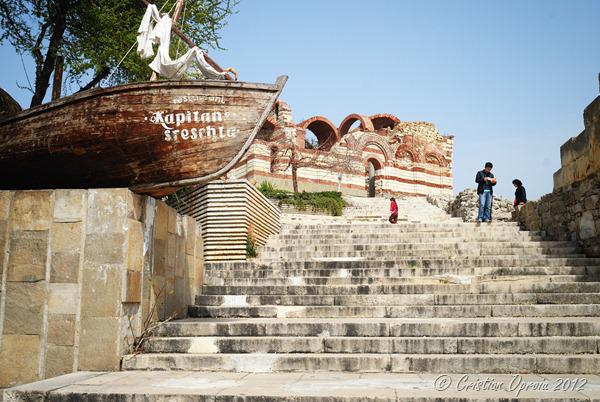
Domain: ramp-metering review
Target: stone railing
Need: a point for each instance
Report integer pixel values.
(229, 212)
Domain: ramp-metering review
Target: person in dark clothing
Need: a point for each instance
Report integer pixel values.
(520, 193)
(393, 211)
(485, 189)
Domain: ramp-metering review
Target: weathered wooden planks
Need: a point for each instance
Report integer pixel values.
(152, 136)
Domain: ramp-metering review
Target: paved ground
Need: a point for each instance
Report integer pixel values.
(150, 386)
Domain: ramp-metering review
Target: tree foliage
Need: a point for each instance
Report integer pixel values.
(94, 35)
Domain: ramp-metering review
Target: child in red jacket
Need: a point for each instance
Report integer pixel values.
(393, 211)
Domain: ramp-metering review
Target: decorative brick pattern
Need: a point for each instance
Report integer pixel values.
(410, 158)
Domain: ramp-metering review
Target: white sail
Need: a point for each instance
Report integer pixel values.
(155, 29)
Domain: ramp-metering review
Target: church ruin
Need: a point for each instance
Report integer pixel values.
(365, 155)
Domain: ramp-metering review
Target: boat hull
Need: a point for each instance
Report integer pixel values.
(154, 136)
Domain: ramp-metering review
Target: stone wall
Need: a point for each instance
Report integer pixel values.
(569, 213)
(580, 155)
(80, 271)
(572, 210)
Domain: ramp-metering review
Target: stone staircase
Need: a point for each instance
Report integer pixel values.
(355, 294)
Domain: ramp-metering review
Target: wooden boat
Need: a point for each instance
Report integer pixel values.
(153, 136)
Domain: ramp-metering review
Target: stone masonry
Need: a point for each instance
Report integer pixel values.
(572, 210)
(80, 270)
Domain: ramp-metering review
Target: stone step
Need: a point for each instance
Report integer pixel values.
(368, 363)
(423, 311)
(427, 253)
(382, 280)
(411, 262)
(377, 345)
(369, 240)
(381, 236)
(399, 300)
(188, 386)
(447, 245)
(484, 287)
(384, 327)
(367, 273)
(403, 226)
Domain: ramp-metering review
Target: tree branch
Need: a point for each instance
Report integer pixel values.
(102, 74)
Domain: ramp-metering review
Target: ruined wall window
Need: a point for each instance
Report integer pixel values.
(320, 133)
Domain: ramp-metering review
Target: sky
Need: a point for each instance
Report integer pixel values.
(509, 79)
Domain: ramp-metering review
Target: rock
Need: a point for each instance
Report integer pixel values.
(466, 206)
(440, 200)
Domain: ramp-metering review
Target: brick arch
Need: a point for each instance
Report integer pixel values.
(406, 150)
(432, 151)
(383, 120)
(377, 164)
(377, 140)
(323, 129)
(267, 130)
(440, 160)
(365, 123)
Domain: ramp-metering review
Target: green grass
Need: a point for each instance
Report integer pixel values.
(330, 201)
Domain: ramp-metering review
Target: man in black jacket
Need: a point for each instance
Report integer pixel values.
(485, 189)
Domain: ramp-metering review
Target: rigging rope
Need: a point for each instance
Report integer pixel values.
(182, 25)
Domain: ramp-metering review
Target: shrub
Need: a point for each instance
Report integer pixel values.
(250, 247)
(330, 201)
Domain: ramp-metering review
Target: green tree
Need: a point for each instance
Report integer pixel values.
(93, 36)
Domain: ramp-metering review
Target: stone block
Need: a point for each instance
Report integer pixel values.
(31, 210)
(172, 220)
(180, 261)
(160, 257)
(63, 298)
(69, 205)
(587, 226)
(105, 248)
(135, 246)
(24, 307)
(101, 291)
(190, 266)
(98, 343)
(199, 251)
(3, 245)
(106, 211)
(135, 206)
(591, 202)
(19, 359)
(133, 290)
(66, 237)
(5, 200)
(61, 329)
(27, 260)
(190, 234)
(59, 360)
(64, 267)
(171, 253)
(161, 221)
